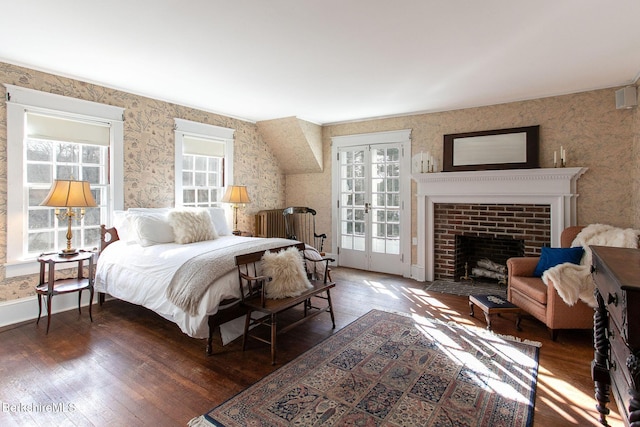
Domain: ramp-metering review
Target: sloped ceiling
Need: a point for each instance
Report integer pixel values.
(297, 144)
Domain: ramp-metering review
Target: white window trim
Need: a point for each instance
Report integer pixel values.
(19, 100)
(186, 127)
(397, 136)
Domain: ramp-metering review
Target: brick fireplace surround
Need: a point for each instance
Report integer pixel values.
(527, 222)
(534, 205)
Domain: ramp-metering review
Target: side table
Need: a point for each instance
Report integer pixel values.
(50, 286)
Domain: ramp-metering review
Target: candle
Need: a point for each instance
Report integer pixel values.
(561, 153)
(555, 159)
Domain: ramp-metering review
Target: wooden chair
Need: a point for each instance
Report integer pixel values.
(300, 225)
(254, 299)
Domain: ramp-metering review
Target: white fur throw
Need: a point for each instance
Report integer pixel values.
(288, 276)
(573, 282)
(191, 225)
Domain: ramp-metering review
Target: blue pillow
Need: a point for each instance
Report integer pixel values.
(550, 257)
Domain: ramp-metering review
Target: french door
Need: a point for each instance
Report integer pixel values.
(370, 206)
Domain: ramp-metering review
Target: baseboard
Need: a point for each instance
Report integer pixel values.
(25, 309)
(417, 273)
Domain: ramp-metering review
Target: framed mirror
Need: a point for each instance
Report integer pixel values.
(513, 148)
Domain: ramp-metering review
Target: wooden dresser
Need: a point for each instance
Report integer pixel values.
(616, 364)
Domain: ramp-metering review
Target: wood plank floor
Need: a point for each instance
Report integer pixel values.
(131, 367)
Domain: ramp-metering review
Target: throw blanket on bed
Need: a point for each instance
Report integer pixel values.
(194, 277)
(573, 282)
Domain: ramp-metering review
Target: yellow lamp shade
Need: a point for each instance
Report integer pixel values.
(70, 194)
(236, 194)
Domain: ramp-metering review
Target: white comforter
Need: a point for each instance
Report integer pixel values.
(141, 275)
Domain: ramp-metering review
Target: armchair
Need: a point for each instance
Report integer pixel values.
(542, 301)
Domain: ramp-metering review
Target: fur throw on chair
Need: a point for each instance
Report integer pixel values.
(573, 282)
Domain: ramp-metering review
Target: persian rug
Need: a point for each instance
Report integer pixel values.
(467, 288)
(387, 369)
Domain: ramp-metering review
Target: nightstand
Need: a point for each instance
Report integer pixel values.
(49, 286)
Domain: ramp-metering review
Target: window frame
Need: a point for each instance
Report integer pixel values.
(19, 100)
(208, 188)
(184, 128)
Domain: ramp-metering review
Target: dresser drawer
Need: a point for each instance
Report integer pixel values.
(620, 378)
(621, 396)
(611, 293)
(619, 354)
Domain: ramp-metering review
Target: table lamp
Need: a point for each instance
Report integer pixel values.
(236, 195)
(69, 194)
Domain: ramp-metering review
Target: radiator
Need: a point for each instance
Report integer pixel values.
(270, 223)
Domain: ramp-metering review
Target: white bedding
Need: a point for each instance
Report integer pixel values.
(141, 275)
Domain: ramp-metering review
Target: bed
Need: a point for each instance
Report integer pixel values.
(144, 260)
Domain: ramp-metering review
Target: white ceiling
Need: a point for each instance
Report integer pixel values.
(329, 61)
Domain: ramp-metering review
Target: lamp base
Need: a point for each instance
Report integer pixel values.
(68, 252)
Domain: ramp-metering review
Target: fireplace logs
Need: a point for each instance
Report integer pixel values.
(487, 268)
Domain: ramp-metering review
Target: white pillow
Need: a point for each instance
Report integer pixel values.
(219, 220)
(192, 225)
(121, 223)
(287, 272)
(150, 228)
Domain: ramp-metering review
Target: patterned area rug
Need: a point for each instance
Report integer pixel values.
(467, 288)
(386, 369)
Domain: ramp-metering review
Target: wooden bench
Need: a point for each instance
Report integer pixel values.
(252, 289)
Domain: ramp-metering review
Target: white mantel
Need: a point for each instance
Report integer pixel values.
(556, 187)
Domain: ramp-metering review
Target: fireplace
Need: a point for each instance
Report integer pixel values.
(533, 205)
(472, 249)
(518, 229)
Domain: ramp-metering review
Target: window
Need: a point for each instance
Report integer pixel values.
(202, 171)
(204, 159)
(55, 137)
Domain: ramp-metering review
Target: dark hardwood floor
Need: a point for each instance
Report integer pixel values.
(131, 367)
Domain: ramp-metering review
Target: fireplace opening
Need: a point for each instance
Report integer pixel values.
(470, 250)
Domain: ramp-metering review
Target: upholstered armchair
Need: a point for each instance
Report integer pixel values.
(542, 301)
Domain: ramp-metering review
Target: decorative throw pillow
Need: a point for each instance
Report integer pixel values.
(150, 228)
(219, 220)
(316, 268)
(288, 276)
(192, 225)
(550, 257)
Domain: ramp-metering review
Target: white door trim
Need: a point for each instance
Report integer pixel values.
(398, 136)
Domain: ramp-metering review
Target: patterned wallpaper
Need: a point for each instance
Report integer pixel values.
(594, 134)
(148, 155)
(635, 154)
